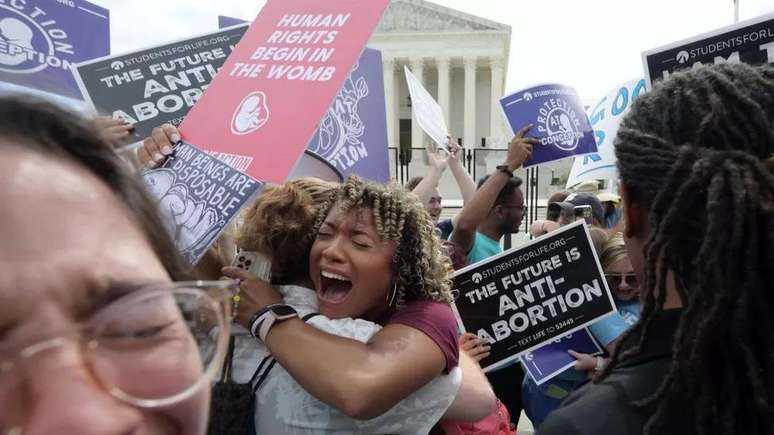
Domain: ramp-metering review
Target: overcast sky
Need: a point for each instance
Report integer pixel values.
(593, 45)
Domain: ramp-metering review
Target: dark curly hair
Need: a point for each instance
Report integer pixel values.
(421, 262)
(697, 152)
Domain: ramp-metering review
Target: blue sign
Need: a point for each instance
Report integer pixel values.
(198, 195)
(352, 136)
(41, 40)
(224, 21)
(559, 120)
(548, 361)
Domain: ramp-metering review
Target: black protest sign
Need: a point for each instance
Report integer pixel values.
(750, 41)
(533, 294)
(198, 195)
(156, 85)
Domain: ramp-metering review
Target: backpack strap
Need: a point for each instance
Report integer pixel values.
(309, 316)
(225, 373)
(271, 361)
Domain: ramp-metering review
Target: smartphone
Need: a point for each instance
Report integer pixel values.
(583, 212)
(255, 263)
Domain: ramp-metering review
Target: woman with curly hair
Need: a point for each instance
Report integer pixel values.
(283, 225)
(280, 226)
(375, 257)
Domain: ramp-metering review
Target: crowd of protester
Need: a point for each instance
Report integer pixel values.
(339, 319)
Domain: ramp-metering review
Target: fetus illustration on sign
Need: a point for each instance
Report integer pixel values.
(190, 222)
(251, 114)
(342, 125)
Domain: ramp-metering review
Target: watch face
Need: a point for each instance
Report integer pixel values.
(283, 310)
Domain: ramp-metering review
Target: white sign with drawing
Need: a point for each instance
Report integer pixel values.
(427, 111)
(197, 196)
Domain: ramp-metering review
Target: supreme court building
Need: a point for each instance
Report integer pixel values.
(461, 59)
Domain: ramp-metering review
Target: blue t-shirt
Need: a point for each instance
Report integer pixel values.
(611, 327)
(483, 248)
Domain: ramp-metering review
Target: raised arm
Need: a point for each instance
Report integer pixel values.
(476, 210)
(464, 181)
(437, 165)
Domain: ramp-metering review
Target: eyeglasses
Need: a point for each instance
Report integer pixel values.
(151, 348)
(614, 280)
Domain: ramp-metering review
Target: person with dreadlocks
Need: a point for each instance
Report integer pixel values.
(696, 159)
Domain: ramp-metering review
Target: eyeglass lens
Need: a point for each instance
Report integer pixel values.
(615, 280)
(148, 348)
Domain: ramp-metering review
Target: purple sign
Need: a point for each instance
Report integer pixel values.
(224, 21)
(40, 40)
(352, 138)
(559, 121)
(546, 362)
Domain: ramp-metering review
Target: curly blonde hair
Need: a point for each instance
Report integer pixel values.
(281, 225)
(420, 261)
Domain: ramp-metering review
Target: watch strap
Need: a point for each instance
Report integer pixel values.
(265, 318)
(505, 170)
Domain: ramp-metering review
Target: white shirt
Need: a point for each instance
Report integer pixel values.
(284, 407)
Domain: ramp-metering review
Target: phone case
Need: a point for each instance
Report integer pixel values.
(255, 263)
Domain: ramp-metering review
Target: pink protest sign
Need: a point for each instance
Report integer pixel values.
(262, 108)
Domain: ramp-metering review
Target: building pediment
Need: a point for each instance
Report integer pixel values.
(404, 16)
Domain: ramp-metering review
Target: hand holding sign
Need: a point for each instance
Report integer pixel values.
(155, 148)
(585, 361)
(520, 149)
(476, 348)
(434, 158)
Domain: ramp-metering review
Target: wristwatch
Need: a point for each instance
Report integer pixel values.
(505, 170)
(265, 318)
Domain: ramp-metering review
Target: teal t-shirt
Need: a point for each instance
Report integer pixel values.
(483, 248)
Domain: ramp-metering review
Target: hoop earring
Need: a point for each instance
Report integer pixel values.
(391, 296)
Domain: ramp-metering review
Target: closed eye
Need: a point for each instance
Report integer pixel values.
(361, 244)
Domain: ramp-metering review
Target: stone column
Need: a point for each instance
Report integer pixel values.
(417, 135)
(495, 117)
(443, 87)
(388, 66)
(470, 102)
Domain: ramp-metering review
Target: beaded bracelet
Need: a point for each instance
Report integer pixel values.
(235, 301)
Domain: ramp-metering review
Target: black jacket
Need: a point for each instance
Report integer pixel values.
(606, 408)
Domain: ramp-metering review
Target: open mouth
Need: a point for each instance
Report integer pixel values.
(334, 288)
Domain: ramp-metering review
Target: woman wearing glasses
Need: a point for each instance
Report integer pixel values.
(95, 335)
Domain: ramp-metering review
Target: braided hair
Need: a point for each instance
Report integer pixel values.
(697, 152)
